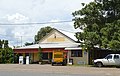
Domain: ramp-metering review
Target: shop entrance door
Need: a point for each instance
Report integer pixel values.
(50, 57)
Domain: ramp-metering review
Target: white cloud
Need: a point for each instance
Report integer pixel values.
(17, 18)
(21, 11)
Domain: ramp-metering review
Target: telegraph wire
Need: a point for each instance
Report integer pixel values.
(22, 24)
(14, 36)
(37, 23)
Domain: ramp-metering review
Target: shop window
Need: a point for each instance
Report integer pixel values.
(44, 56)
(76, 53)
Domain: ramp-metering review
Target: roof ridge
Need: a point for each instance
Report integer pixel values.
(63, 32)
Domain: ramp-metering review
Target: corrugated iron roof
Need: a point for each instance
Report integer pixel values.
(68, 34)
(51, 45)
(74, 48)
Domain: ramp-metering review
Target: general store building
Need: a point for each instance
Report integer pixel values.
(55, 40)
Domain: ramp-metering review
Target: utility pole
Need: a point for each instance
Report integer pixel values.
(21, 41)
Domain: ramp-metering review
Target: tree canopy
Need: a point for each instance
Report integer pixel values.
(100, 21)
(3, 44)
(41, 33)
(28, 43)
(6, 53)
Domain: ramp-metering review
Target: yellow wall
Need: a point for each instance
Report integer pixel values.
(23, 55)
(35, 57)
(56, 37)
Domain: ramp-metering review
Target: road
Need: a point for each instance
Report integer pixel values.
(48, 70)
(11, 73)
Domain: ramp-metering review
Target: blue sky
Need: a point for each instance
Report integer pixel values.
(22, 11)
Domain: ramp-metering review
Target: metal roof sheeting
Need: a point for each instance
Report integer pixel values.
(69, 34)
(51, 45)
(76, 48)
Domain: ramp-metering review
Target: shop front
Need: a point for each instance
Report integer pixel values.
(33, 55)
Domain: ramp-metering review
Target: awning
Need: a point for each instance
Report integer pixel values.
(50, 45)
(77, 48)
(25, 50)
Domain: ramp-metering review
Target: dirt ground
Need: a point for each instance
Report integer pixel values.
(104, 71)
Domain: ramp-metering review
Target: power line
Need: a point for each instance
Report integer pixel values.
(13, 36)
(7, 24)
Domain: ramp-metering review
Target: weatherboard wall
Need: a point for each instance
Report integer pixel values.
(56, 37)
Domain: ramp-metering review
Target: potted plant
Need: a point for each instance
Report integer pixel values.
(40, 55)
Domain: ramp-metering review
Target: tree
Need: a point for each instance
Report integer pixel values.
(5, 42)
(40, 53)
(100, 21)
(0, 44)
(27, 43)
(6, 53)
(41, 33)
